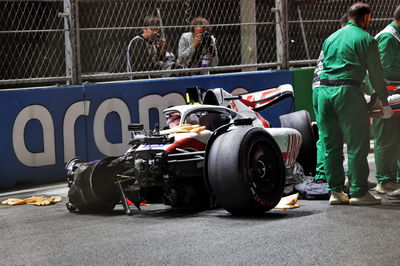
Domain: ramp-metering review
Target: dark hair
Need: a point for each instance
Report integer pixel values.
(358, 10)
(151, 22)
(199, 21)
(397, 13)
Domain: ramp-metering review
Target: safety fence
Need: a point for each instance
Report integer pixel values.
(74, 41)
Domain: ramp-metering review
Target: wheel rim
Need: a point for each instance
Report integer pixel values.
(262, 173)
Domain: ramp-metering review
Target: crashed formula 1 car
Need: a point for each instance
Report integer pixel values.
(215, 151)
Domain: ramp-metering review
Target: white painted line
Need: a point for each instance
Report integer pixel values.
(49, 189)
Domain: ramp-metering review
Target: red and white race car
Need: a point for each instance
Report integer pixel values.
(215, 151)
(375, 105)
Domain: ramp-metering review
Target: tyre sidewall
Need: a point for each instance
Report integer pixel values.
(228, 164)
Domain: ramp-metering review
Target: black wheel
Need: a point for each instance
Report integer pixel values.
(246, 171)
(301, 121)
(93, 188)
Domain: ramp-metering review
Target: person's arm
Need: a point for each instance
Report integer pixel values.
(317, 72)
(137, 56)
(387, 48)
(366, 86)
(375, 72)
(185, 51)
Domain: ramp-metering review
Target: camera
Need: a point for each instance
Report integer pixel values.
(206, 39)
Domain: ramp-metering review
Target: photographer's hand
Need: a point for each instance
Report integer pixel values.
(197, 40)
(162, 43)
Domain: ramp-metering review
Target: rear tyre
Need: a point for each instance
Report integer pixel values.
(246, 171)
(301, 121)
(93, 188)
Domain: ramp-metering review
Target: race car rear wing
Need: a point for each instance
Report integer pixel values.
(257, 101)
(261, 100)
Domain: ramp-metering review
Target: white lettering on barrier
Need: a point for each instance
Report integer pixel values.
(106, 107)
(77, 109)
(159, 102)
(28, 158)
(239, 91)
(71, 115)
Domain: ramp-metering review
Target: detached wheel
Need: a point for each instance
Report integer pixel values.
(93, 188)
(246, 171)
(301, 121)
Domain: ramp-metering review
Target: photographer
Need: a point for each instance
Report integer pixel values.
(198, 48)
(148, 51)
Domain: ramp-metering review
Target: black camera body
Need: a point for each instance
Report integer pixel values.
(206, 39)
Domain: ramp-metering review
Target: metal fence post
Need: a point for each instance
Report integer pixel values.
(67, 40)
(76, 66)
(248, 36)
(282, 33)
(72, 43)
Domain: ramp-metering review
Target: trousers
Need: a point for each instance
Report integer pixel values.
(386, 148)
(343, 118)
(320, 172)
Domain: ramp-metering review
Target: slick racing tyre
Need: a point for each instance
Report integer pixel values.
(246, 171)
(93, 188)
(301, 121)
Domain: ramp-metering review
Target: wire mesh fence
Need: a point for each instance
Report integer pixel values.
(311, 22)
(106, 37)
(53, 41)
(32, 40)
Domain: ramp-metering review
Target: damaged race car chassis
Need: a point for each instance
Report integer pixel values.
(241, 169)
(230, 157)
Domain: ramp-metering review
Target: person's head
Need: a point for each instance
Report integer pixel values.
(173, 119)
(151, 25)
(199, 25)
(343, 20)
(360, 13)
(396, 16)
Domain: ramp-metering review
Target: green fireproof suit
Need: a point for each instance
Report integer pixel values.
(320, 172)
(343, 115)
(386, 131)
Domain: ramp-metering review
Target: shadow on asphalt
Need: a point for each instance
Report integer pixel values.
(273, 215)
(172, 213)
(160, 211)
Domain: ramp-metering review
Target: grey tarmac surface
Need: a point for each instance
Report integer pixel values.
(314, 234)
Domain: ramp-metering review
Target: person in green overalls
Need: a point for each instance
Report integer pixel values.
(386, 131)
(319, 171)
(343, 114)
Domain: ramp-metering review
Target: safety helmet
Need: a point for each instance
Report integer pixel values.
(173, 119)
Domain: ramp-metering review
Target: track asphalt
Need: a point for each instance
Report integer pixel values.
(314, 234)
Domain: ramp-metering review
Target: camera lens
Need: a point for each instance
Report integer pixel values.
(206, 38)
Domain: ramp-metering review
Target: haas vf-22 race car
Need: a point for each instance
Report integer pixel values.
(215, 151)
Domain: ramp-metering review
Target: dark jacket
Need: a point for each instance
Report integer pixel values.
(142, 55)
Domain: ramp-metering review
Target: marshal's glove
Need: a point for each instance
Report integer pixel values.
(387, 111)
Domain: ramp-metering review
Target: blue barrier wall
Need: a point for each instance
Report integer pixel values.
(22, 136)
(42, 128)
